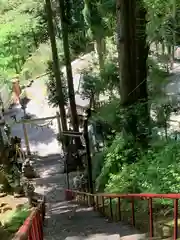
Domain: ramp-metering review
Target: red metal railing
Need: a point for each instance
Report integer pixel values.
(98, 201)
(32, 229)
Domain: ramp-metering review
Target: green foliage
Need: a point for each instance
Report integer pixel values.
(157, 80)
(97, 164)
(4, 80)
(91, 84)
(110, 113)
(95, 84)
(23, 36)
(77, 29)
(110, 76)
(21, 30)
(161, 21)
(15, 219)
(93, 19)
(37, 64)
(53, 95)
(122, 151)
(127, 170)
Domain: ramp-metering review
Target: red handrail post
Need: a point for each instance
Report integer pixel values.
(103, 207)
(40, 225)
(119, 208)
(151, 227)
(133, 214)
(32, 232)
(175, 219)
(111, 209)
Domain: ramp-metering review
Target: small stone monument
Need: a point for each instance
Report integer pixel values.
(28, 169)
(29, 192)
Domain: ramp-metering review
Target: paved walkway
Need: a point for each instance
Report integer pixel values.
(86, 224)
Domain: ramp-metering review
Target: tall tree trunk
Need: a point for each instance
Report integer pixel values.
(127, 59)
(100, 48)
(119, 32)
(126, 49)
(174, 31)
(132, 55)
(64, 28)
(56, 67)
(142, 50)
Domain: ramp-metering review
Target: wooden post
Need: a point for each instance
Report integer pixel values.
(59, 123)
(26, 139)
(60, 129)
(86, 137)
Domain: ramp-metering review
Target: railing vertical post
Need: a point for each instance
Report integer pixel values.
(133, 215)
(84, 198)
(97, 203)
(32, 233)
(111, 210)
(175, 219)
(103, 207)
(94, 202)
(151, 228)
(119, 209)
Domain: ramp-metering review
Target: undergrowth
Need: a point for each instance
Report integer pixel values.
(15, 219)
(123, 168)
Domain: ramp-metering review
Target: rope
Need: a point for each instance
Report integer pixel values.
(42, 125)
(35, 124)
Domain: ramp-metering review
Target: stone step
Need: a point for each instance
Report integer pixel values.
(135, 237)
(96, 237)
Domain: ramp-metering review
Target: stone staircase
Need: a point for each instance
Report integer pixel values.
(85, 223)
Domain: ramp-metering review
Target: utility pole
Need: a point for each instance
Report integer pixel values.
(56, 67)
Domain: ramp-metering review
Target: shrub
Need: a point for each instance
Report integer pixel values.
(37, 64)
(16, 218)
(121, 151)
(97, 164)
(53, 95)
(110, 113)
(157, 171)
